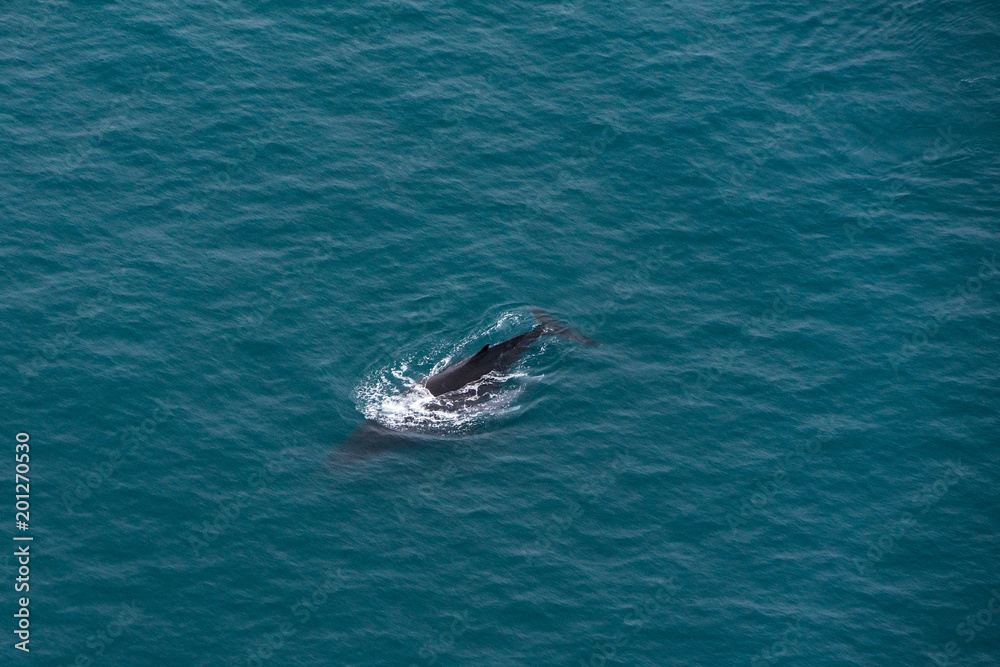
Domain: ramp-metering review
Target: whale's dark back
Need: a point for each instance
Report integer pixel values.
(496, 358)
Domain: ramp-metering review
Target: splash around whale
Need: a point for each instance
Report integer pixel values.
(404, 408)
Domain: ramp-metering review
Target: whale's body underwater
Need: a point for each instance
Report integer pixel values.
(459, 386)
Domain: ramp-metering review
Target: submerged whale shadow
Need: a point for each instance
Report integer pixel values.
(372, 439)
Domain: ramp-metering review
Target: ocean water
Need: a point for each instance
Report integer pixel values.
(231, 231)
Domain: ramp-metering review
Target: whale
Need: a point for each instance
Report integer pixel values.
(459, 386)
(474, 378)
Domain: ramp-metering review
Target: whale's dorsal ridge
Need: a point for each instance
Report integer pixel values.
(498, 358)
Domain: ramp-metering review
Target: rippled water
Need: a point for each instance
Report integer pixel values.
(234, 235)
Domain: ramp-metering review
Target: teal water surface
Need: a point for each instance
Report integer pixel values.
(232, 230)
